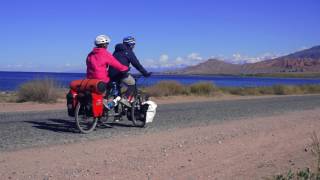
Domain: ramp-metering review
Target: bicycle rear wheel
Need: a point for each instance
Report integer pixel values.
(85, 122)
(137, 113)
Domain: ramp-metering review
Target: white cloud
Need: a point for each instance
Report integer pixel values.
(238, 58)
(178, 60)
(194, 56)
(303, 48)
(14, 66)
(219, 57)
(151, 63)
(164, 59)
(165, 62)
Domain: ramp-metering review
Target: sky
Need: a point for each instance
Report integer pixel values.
(56, 36)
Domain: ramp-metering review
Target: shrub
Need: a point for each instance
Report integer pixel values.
(236, 91)
(8, 97)
(279, 89)
(312, 88)
(166, 88)
(286, 90)
(266, 90)
(251, 91)
(169, 88)
(203, 88)
(229, 90)
(243, 91)
(39, 90)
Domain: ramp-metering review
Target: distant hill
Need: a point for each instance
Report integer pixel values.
(303, 61)
(212, 66)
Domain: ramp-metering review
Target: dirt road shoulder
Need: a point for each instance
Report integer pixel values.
(244, 149)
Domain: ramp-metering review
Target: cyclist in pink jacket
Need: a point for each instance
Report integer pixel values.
(99, 59)
(98, 62)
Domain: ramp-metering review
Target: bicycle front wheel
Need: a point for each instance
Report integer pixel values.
(85, 122)
(136, 113)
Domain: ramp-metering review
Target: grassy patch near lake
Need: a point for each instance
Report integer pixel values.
(202, 88)
(166, 88)
(8, 97)
(48, 91)
(171, 88)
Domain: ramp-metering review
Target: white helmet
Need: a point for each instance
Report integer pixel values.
(102, 39)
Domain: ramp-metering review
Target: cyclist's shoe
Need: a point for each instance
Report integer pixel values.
(117, 119)
(125, 102)
(108, 104)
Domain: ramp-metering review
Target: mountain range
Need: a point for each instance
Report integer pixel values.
(307, 60)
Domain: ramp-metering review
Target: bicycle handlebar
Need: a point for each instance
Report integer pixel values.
(138, 76)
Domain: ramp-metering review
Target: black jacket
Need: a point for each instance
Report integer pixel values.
(126, 57)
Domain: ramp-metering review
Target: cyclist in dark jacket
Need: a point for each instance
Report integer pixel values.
(125, 55)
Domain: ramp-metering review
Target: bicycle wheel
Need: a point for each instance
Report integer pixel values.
(137, 113)
(85, 122)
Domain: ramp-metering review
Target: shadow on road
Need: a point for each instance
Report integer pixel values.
(67, 126)
(120, 124)
(55, 125)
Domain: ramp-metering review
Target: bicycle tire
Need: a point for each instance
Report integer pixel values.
(82, 114)
(137, 116)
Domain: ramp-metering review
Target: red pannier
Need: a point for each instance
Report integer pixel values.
(97, 104)
(89, 92)
(72, 102)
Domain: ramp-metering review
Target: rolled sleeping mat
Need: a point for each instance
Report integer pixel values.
(92, 85)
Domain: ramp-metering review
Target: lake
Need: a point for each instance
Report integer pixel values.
(10, 81)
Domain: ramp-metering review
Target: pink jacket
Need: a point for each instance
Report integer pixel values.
(98, 62)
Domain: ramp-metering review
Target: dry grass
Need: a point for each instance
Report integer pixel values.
(166, 88)
(203, 88)
(170, 88)
(315, 149)
(47, 90)
(273, 90)
(310, 88)
(287, 90)
(173, 88)
(39, 90)
(241, 91)
(8, 97)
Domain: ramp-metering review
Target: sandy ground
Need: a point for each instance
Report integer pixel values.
(242, 149)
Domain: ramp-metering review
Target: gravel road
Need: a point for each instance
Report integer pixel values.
(34, 129)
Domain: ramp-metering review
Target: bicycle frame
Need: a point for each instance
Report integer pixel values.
(87, 119)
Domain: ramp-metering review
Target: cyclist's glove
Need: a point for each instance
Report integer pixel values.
(148, 74)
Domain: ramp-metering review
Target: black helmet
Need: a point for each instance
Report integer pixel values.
(130, 41)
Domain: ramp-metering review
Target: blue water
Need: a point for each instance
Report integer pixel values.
(12, 80)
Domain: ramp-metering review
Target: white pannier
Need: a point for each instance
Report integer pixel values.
(151, 111)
